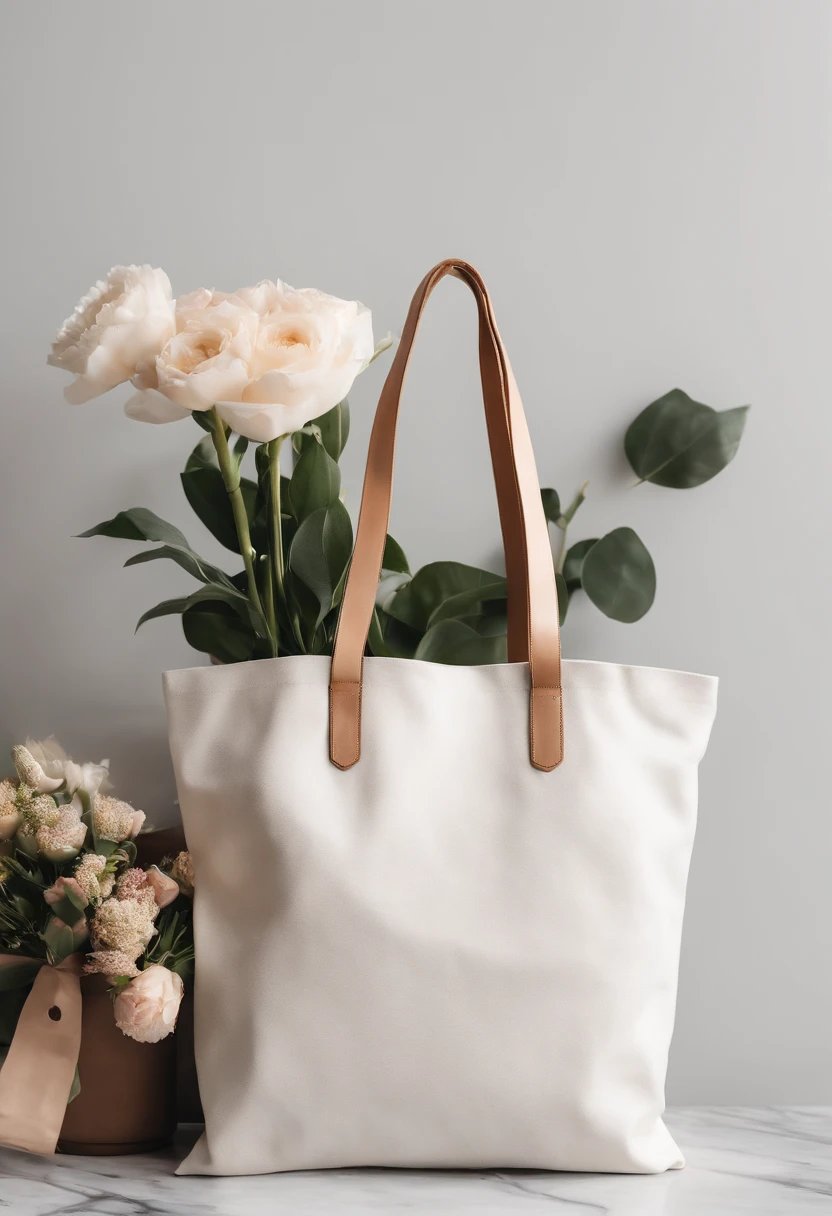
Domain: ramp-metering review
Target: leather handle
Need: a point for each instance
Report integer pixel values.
(533, 629)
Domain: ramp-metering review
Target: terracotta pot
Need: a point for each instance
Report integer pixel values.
(127, 1102)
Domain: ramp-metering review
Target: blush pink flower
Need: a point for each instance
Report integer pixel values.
(146, 1009)
(164, 887)
(61, 888)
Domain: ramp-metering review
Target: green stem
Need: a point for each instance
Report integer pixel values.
(231, 479)
(277, 538)
(268, 583)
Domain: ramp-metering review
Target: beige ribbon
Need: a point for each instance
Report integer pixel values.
(37, 1074)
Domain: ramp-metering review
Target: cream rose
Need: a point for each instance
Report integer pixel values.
(146, 1009)
(116, 329)
(271, 358)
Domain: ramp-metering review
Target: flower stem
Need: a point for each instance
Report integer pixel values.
(231, 480)
(277, 537)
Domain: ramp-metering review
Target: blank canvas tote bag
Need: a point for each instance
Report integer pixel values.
(438, 908)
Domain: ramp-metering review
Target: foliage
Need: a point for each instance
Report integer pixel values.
(296, 536)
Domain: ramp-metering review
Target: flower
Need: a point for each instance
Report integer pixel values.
(182, 871)
(122, 924)
(62, 840)
(134, 884)
(39, 812)
(92, 877)
(146, 1009)
(80, 929)
(110, 963)
(165, 889)
(115, 820)
(11, 816)
(30, 771)
(61, 889)
(120, 325)
(60, 768)
(270, 357)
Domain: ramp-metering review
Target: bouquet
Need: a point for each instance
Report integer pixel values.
(69, 885)
(271, 366)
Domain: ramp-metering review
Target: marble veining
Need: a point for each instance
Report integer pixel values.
(765, 1161)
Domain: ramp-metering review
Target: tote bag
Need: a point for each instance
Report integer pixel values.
(438, 908)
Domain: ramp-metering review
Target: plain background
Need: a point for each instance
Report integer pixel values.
(646, 187)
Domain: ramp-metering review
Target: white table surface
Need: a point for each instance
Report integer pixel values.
(766, 1161)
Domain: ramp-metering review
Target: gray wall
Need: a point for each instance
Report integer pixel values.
(645, 185)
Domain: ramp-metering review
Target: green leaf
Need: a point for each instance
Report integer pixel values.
(66, 909)
(204, 456)
(333, 428)
(320, 552)
(18, 974)
(456, 643)
(315, 482)
(397, 640)
(619, 577)
(219, 593)
(465, 602)
(394, 558)
(563, 596)
(59, 940)
(195, 565)
(681, 443)
(205, 490)
(166, 608)
(574, 562)
(240, 448)
(435, 583)
(138, 523)
(215, 628)
(551, 506)
(75, 1087)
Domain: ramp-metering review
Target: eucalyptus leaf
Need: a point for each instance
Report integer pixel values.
(320, 553)
(456, 643)
(574, 562)
(315, 482)
(619, 577)
(680, 443)
(394, 558)
(435, 583)
(333, 430)
(59, 940)
(138, 523)
(165, 608)
(214, 628)
(563, 596)
(551, 506)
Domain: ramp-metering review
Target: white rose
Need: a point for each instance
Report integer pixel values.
(146, 1009)
(271, 358)
(118, 327)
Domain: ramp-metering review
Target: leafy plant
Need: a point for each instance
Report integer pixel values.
(294, 537)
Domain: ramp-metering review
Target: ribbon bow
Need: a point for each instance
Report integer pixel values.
(37, 1074)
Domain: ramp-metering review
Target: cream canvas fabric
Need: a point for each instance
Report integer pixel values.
(442, 956)
(438, 908)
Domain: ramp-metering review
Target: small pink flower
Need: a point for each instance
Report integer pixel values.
(146, 1009)
(164, 887)
(61, 889)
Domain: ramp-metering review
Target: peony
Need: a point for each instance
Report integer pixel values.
(115, 820)
(270, 357)
(164, 888)
(115, 330)
(146, 1009)
(10, 813)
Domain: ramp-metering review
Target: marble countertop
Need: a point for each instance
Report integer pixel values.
(769, 1161)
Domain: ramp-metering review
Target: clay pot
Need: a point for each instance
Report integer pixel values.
(127, 1102)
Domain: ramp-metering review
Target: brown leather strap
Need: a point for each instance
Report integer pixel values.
(534, 633)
